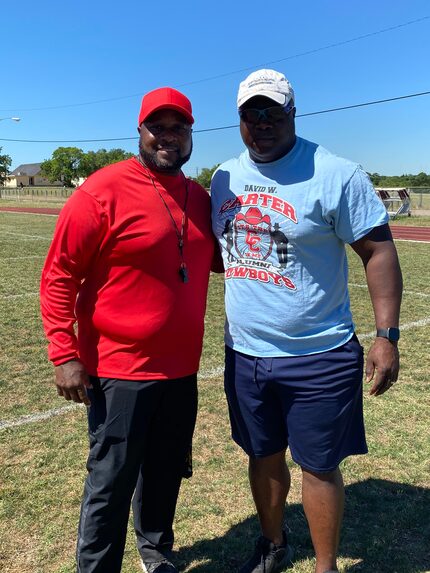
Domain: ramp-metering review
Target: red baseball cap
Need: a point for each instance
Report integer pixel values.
(165, 98)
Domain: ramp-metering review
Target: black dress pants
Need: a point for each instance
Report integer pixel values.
(140, 433)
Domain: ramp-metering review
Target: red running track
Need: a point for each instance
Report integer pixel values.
(411, 233)
(36, 210)
(401, 232)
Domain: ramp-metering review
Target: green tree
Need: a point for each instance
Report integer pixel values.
(375, 178)
(405, 180)
(64, 165)
(422, 180)
(205, 176)
(94, 160)
(5, 163)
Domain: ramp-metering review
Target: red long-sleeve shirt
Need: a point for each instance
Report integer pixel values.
(114, 266)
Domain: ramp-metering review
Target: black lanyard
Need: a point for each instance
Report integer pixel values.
(183, 271)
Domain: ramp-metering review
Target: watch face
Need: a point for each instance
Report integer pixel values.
(393, 334)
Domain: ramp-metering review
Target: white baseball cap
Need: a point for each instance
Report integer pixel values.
(267, 83)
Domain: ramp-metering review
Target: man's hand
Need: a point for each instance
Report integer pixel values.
(383, 357)
(71, 380)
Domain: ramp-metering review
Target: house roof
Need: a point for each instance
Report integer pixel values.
(29, 169)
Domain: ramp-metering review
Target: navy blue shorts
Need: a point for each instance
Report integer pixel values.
(313, 404)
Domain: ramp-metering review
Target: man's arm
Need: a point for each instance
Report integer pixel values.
(384, 280)
(77, 239)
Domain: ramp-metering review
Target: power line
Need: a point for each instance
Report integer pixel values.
(216, 77)
(374, 102)
(309, 52)
(364, 104)
(70, 140)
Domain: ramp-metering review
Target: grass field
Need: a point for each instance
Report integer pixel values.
(420, 200)
(386, 527)
(413, 221)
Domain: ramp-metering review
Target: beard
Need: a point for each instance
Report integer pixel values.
(152, 161)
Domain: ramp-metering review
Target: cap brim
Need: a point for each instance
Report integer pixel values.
(178, 108)
(274, 96)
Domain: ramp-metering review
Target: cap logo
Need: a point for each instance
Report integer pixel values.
(266, 83)
(270, 81)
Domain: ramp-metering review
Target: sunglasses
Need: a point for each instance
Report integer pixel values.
(269, 114)
(180, 130)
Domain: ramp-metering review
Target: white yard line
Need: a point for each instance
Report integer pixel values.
(40, 416)
(31, 418)
(22, 258)
(411, 292)
(210, 374)
(412, 241)
(203, 375)
(22, 295)
(25, 235)
(28, 213)
(354, 285)
(407, 326)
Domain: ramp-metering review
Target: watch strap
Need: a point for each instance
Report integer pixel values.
(392, 333)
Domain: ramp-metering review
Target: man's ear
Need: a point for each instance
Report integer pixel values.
(138, 129)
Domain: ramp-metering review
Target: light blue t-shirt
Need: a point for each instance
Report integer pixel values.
(282, 227)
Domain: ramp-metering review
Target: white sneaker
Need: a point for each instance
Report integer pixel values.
(163, 566)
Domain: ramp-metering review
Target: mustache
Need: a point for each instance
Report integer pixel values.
(169, 147)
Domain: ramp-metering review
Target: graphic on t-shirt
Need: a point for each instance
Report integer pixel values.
(252, 237)
(256, 236)
(281, 242)
(228, 235)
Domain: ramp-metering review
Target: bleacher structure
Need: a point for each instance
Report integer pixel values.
(397, 201)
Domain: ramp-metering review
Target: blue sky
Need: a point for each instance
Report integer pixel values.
(66, 53)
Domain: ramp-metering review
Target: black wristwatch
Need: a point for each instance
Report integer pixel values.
(393, 334)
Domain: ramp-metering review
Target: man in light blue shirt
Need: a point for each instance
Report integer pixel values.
(283, 212)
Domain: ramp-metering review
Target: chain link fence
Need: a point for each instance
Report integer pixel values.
(35, 194)
(420, 198)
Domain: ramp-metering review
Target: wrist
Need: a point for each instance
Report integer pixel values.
(392, 334)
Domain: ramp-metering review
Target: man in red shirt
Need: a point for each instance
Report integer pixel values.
(130, 262)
